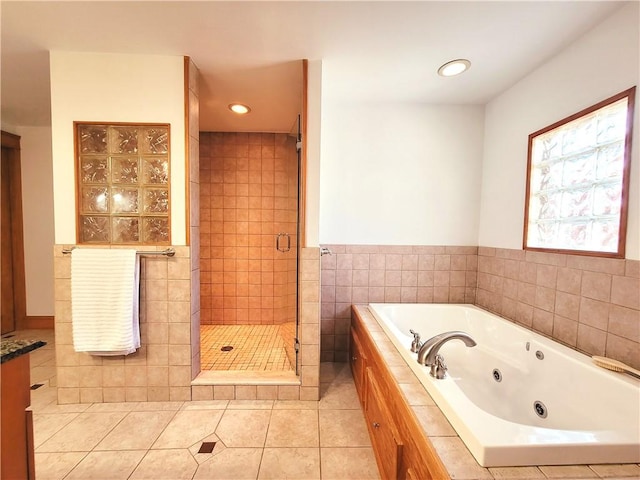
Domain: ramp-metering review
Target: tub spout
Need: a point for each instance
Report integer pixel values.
(428, 353)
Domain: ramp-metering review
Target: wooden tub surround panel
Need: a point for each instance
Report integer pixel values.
(401, 448)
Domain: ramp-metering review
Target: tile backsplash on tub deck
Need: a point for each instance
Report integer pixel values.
(591, 304)
(361, 274)
(588, 303)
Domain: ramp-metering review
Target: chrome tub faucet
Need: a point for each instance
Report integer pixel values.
(428, 353)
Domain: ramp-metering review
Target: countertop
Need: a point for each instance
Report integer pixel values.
(14, 348)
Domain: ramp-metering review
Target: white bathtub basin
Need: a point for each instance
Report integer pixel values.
(592, 414)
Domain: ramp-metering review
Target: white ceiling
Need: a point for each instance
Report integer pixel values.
(251, 51)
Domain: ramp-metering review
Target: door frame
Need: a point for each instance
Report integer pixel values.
(12, 143)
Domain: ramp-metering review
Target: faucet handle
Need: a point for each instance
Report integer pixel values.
(416, 343)
(438, 368)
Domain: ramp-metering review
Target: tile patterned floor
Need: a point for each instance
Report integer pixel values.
(255, 439)
(255, 347)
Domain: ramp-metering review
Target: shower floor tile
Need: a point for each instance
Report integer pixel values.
(255, 347)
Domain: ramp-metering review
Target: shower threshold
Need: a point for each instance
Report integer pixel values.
(246, 377)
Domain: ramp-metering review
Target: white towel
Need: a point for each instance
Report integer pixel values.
(105, 285)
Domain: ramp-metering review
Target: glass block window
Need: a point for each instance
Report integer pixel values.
(123, 183)
(578, 181)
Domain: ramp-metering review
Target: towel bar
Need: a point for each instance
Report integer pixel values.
(169, 252)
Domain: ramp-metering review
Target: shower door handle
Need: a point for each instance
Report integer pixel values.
(279, 238)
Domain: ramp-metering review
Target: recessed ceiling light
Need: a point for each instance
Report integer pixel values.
(239, 108)
(454, 67)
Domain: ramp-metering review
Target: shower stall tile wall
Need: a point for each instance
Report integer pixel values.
(361, 274)
(309, 356)
(248, 196)
(193, 177)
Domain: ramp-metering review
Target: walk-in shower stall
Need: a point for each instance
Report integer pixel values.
(249, 190)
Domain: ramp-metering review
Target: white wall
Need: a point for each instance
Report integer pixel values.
(94, 87)
(400, 174)
(37, 213)
(314, 115)
(605, 61)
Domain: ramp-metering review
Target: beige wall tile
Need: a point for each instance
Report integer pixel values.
(158, 333)
(179, 269)
(179, 376)
(158, 394)
(62, 289)
(179, 312)
(179, 334)
(288, 392)
(567, 305)
(158, 376)
(625, 291)
(542, 321)
(113, 395)
(624, 350)
(157, 311)
(310, 375)
(591, 340)
(565, 330)
(596, 286)
(611, 266)
(625, 322)
(91, 395)
(179, 394)
(155, 290)
(569, 280)
(632, 268)
(154, 268)
(310, 291)
(157, 355)
(62, 310)
(202, 392)
(68, 376)
(526, 293)
(135, 376)
(594, 313)
(310, 354)
(113, 376)
(68, 395)
(309, 393)
(246, 392)
(62, 267)
(135, 394)
(224, 392)
(545, 298)
(267, 392)
(179, 290)
(180, 355)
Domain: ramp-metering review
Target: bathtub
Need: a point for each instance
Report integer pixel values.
(496, 394)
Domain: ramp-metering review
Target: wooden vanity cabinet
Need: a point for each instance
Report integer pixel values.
(16, 442)
(401, 447)
(382, 430)
(358, 362)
